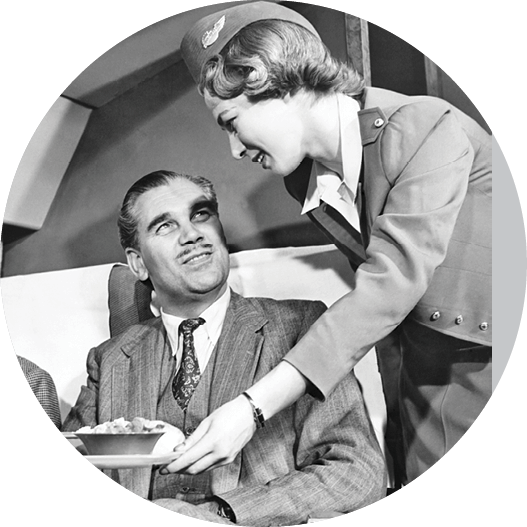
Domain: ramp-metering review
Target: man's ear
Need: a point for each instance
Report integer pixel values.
(136, 264)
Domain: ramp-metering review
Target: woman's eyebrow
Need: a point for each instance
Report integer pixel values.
(220, 120)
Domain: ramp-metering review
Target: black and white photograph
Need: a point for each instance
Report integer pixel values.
(250, 258)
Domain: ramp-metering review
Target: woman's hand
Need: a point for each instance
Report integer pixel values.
(221, 436)
(217, 440)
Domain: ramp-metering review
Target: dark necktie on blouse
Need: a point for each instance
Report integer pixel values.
(187, 377)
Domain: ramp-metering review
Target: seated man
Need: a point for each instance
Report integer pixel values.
(42, 385)
(206, 348)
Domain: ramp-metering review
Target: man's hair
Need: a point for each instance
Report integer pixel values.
(127, 221)
(269, 59)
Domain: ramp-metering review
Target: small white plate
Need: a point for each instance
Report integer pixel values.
(132, 461)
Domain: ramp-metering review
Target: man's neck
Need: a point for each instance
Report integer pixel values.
(191, 307)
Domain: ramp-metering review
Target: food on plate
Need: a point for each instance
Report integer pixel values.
(172, 437)
(131, 437)
(138, 425)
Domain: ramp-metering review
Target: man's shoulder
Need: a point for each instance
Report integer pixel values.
(132, 336)
(272, 306)
(288, 304)
(282, 323)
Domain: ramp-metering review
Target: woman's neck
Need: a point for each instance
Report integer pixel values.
(323, 124)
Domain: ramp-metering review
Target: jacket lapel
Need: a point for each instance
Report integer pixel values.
(135, 379)
(373, 186)
(135, 391)
(369, 197)
(237, 351)
(237, 356)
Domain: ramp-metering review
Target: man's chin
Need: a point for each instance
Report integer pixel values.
(209, 288)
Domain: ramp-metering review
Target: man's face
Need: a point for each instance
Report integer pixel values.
(182, 247)
(270, 132)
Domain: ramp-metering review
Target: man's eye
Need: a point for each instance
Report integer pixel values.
(202, 215)
(163, 227)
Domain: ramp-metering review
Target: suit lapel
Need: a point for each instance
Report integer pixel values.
(237, 351)
(237, 356)
(135, 391)
(135, 379)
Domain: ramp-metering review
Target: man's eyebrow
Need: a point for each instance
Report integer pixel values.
(204, 203)
(160, 218)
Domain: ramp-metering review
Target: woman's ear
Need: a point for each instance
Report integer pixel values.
(136, 264)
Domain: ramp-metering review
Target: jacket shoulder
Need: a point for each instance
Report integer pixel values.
(286, 322)
(293, 307)
(423, 124)
(291, 318)
(390, 103)
(409, 118)
(129, 337)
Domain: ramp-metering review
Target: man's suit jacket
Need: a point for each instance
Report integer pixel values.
(425, 247)
(312, 456)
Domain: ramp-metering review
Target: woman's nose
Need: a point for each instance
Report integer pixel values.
(238, 150)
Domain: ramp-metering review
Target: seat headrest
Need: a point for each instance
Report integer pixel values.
(128, 299)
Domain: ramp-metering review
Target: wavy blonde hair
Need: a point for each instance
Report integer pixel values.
(272, 58)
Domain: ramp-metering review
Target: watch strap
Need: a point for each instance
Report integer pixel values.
(259, 419)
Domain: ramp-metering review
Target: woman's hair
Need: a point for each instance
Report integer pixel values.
(269, 59)
(127, 221)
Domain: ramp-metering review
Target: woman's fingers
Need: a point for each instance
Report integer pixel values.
(217, 440)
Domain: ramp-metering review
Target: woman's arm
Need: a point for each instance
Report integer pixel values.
(408, 241)
(222, 435)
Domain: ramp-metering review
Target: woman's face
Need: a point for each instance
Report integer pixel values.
(270, 132)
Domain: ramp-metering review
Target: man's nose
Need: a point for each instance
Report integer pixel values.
(238, 150)
(189, 233)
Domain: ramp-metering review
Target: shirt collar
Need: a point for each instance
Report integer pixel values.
(214, 316)
(324, 179)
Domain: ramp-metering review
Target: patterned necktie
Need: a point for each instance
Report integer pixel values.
(187, 378)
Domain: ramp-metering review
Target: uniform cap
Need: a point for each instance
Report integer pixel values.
(209, 35)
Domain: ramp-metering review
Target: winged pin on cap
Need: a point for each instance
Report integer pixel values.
(209, 35)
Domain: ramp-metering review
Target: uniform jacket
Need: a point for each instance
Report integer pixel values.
(425, 247)
(312, 456)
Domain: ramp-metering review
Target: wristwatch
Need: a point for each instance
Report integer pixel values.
(224, 511)
(258, 417)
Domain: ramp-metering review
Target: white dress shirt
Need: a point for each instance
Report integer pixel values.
(205, 336)
(337, 184)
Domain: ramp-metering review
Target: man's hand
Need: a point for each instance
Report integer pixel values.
(217, 440)
(205, 511)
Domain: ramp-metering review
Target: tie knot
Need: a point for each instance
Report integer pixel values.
(188, 326)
